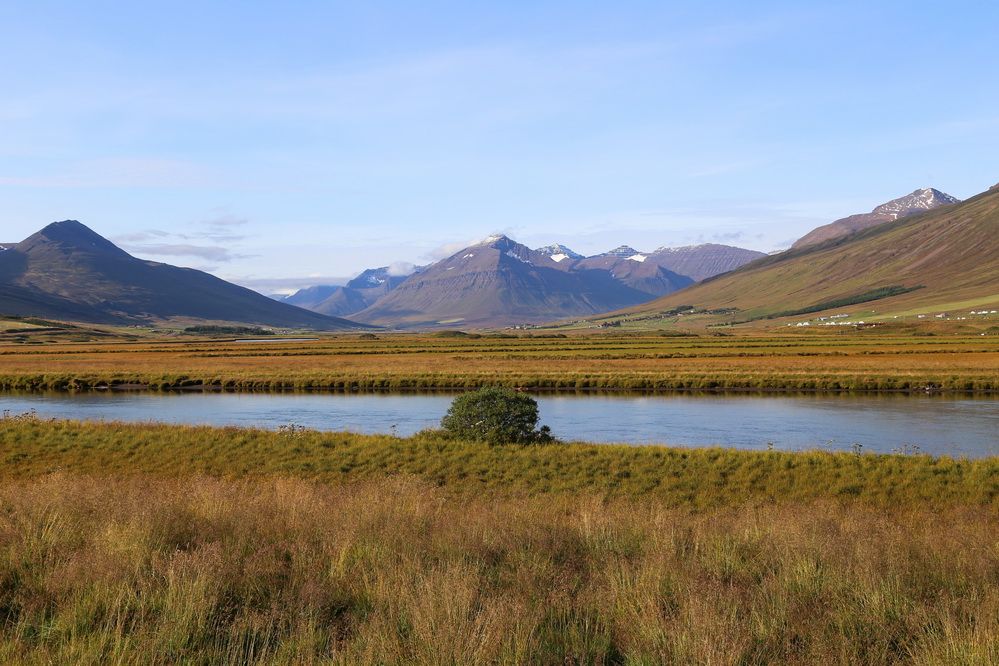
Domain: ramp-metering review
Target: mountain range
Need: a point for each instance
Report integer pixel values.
(66, 271)
(923, 250)
(499, 282)
(945, 258)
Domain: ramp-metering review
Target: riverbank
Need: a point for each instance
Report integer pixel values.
(161, 544)
(679, 477)
(855, 362)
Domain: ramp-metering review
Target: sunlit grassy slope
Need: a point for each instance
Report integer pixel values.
(952, 255)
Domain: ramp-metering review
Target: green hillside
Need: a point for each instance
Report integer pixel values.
(929, 264)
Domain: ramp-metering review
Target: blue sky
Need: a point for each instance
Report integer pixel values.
(278, 144)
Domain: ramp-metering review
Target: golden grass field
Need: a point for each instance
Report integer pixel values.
(851, 360)
(164, 544)
(154, 544)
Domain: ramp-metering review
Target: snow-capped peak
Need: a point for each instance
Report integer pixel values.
(494, 238)
(558, 252)
(623, 251)
(927, 198)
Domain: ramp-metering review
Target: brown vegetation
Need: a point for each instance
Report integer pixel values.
(199, 570)
(857, 361)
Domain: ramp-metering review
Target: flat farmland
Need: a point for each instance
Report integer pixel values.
(854, 361)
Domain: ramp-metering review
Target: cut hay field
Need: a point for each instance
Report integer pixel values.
(157, 544)
(849, 360)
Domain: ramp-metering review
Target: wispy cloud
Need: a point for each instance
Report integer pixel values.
(286, 285)
(220, 231)
(119, 172)
(401, 268)
(223, 229)
(207, 252)
(226, 221)
(139, 236)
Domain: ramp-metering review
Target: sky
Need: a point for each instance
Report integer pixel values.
(279, 145)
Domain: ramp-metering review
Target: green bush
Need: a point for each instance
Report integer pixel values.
(495, 415)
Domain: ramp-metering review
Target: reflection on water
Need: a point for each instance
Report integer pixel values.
(937, 425)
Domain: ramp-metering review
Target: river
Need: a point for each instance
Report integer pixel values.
(883, 423)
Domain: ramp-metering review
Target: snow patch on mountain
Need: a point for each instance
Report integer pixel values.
(927, 198)
(637, 257)
(558, 250)
(489, 240)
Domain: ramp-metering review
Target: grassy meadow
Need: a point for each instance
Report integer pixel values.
(156, 544)
(167, 544)
(698, 478)
(845, 360)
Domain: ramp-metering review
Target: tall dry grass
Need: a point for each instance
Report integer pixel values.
(199, 570)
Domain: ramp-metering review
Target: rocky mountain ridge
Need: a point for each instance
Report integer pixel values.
(919, 201)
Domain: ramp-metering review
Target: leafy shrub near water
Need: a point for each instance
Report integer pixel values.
(495, 415)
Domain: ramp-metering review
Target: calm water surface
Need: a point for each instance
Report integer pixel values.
(880, 423)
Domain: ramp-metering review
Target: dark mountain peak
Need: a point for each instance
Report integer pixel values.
(384, 278)
(500, 245)
(70, 235)
(623, 251)
(67, 271)
(371, 277)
